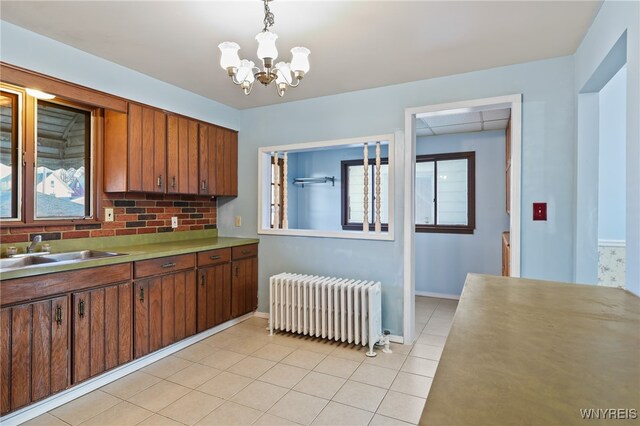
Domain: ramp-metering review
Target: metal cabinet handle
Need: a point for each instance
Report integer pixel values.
(215, 257)
(246, 251)
(237, 271)
(173, 182)
(159, 181)
(81, 308)
(169, 265)
(58, 314)
(202, 280)
(204, 184)
(142, 294)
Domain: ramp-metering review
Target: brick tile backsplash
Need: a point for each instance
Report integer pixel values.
(133, 214)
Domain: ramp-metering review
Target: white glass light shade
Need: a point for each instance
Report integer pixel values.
(245, 71)
(300, 60)
(267, 45)
(283, 73)
(229, 55)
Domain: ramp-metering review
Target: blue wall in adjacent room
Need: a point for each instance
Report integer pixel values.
(611, 158)
(444, 260)
(616, 21)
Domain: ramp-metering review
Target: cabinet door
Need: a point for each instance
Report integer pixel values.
(165, 311)
(214, 296)
(101, 330)
(182, 152)
(207, 166)
(244, 287)
(226, 163)
(34, 357)
(147, 149)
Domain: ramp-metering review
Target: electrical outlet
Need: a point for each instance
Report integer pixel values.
(238, 221)
(108, 215)
(174, 221)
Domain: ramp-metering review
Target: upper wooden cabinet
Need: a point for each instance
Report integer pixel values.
(182, 147)
(135, 151)
(218, 161)
(147, 150)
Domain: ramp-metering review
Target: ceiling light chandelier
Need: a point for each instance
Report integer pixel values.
(244, 72)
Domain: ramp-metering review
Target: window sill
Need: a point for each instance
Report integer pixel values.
(62, 222)
(445, 229)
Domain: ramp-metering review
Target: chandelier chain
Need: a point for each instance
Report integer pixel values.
(268, 16)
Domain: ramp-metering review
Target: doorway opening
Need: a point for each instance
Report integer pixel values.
(498, 119)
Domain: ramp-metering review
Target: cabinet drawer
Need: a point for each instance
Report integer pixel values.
(244, 251)
(213, 257)
(163, 265)
(30, 288)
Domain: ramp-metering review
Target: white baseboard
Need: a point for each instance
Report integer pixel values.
(438, 295)
(612, 243)
(41, 407)
(261, 314)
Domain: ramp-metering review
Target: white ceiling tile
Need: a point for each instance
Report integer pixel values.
(424, 131)
(496, 114)
(448, 120)
(457, 128)
(495, 125)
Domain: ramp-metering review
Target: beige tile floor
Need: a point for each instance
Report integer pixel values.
(242, 376)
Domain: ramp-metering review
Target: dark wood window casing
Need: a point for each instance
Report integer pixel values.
(344, 179)
(470, 156)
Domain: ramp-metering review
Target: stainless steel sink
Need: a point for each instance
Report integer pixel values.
(80, 255)
(21, 262)
(41, 259)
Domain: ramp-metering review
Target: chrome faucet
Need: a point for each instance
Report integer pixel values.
(36, 239)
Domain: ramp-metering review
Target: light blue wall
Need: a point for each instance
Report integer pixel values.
(318, 206)
(616, 20)
(548, 149)
(611, 158)
(32, 51)
(443, 260)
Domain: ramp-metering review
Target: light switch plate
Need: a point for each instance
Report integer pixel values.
(174, 221)
(108, 215)
(539, 211)
(238, 221)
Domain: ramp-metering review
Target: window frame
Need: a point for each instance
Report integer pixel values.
(88, 158)
(17, 156)
(344, 197)
(27, 163)
(470, 227)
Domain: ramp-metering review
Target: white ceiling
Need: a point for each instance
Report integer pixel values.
(354, 44)
(475, 121)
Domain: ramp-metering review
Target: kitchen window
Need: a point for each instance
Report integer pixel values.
(353, 194)
(46, 172)
(445, 193)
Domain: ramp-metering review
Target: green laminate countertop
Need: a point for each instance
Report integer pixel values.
(132, 253)
(536, 352)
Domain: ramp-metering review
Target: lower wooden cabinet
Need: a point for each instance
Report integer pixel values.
(102, 329)
(164, 311)
(214, 295)
(244, 280)
(34, 351)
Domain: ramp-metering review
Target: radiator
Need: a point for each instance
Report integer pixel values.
(343, 310)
